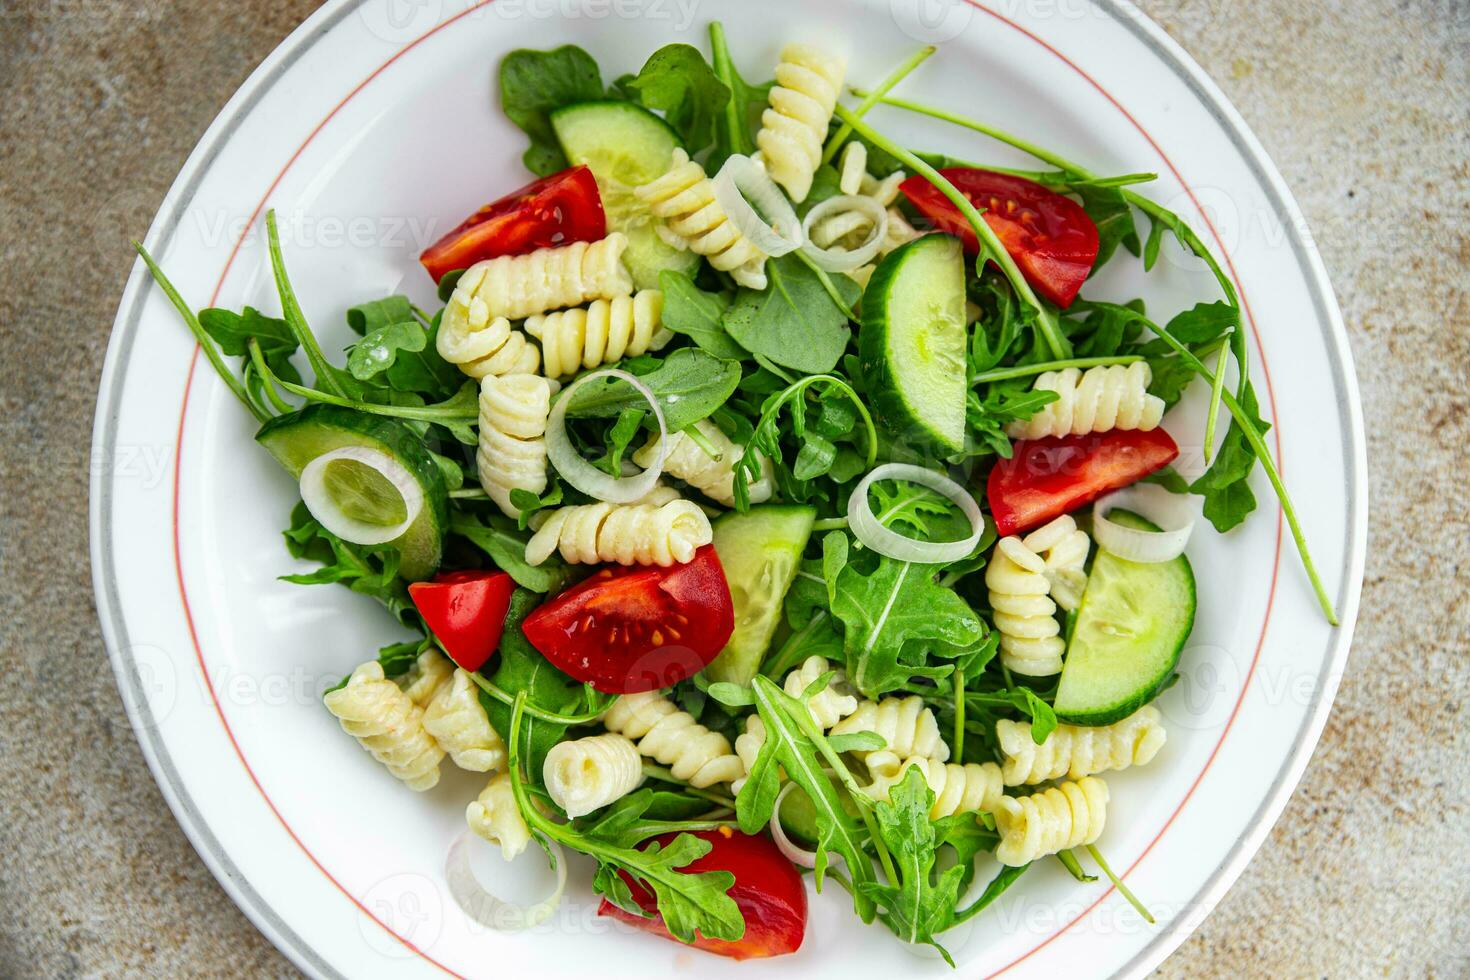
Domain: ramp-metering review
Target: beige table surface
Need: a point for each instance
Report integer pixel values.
(1364, 105)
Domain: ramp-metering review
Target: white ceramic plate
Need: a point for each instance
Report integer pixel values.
(371, 130)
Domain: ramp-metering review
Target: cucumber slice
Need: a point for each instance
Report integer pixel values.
(760, 551)
(912, 344)
(1130, 629)
(625, 145)
(299, 437)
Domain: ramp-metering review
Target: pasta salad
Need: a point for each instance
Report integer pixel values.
(766, 499)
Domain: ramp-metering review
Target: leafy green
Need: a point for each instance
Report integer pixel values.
(678, 81)
(922, 903)
(1113, 216)
(689, 385)
(365, 570)
(505, 543)
(533, 84)
(1204, 322)
(1226, 484)
(794, 321)
(894, 617)
(233, 331)
(734, 131)
(378, 351)
(698, 315)
(364, 318)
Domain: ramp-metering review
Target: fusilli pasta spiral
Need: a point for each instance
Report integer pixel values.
(483, 347)
(672, 737)
(907, 726)
(430, 671)
(1057, 819)
(376, 712)
(1025, 617)
(603, 332)
(1063, 546)
(684, 197)
(459, 724)
(829, 705)
(957, 789)
(589, 773)
(715, 478)
(808, 82)
(495, 817)
(1099, 399)
(473, 330)
(1074, 751)
(512, 450)
(748, 746)
(661, 529)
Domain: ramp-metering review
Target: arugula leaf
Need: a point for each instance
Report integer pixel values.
(520, 667)
(677, 80)
(1113, 216)
(364, 318)
(365, 570)
(898, 502)
(1203, 322)
(233, 332)
(378, 351)
(734, 132)
(532, 84)
(698, 315)
(922, 903)
(893, 617)
(794, 322)
(506, 545)
(1226, 484)
(689, 385)
(528, 503)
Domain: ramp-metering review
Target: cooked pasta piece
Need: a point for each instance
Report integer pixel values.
(907, 726)
(1099, 399)
(1063, 546)
(1055, 820)
(1025, 617)
(748, 746)
(495, 817)
(1074, 751)
(376, 712)
(460, 726)
(684, 197)
(588, 773)
(512, 450)
(808, 82)
(711, 476)
(829, 705)
(971, 787)
(672, 737)
(603, 332)
(483, 347)
(661, 529)
(430, 671)
(854, 168)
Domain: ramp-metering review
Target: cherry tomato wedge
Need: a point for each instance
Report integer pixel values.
(625, 630)
(466, 612)
(1051, 237)
(767, 889)
(556, 210)
(1046, 478)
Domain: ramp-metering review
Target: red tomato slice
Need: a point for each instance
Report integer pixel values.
(767, 888)
(466, 612)
(1051, 237)
(625, 630)
(1046, 478)
(556, 210)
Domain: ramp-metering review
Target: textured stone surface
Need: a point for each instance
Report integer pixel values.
(1364, 105)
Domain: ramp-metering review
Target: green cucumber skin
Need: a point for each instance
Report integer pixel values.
(297, 438)
(646, 255)
(745, 543)
(889, 401)
(1118, 710)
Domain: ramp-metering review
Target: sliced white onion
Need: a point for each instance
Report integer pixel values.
(480, 904)
(756, 206)
(796, 855)
(865, 525)
(1173, 513)
(835, 258)
(582, 474)
(328, 512)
